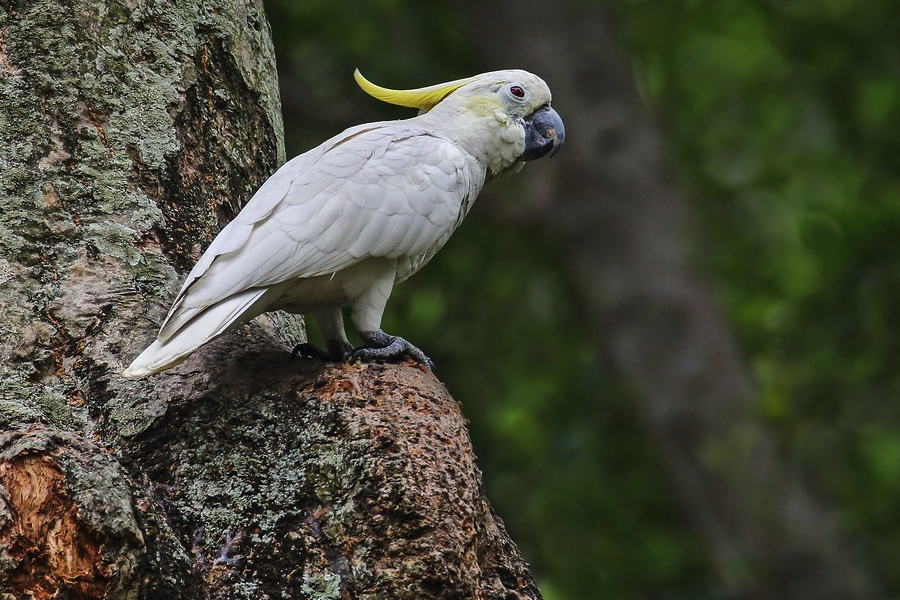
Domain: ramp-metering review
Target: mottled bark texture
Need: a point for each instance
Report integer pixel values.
(129, 132)
(621, 221)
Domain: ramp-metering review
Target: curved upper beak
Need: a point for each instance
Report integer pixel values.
(544, 133)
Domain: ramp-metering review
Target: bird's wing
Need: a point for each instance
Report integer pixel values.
(378, 190)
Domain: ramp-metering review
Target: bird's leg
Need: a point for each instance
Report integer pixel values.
(381, 346)
(331, 325)
(369, 301)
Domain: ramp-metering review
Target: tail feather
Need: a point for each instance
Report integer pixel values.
(211, 323)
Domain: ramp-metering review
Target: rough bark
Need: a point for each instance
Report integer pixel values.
(621, 221)
(129, 132)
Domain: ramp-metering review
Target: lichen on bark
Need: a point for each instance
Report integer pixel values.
(360, 477)
(130, 135)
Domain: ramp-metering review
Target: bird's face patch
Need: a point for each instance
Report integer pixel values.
(523, 95)
(526, 100)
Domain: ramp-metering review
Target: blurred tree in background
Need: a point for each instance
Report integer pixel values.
(780, 120)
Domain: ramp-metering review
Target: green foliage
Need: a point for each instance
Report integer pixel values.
(782, 117)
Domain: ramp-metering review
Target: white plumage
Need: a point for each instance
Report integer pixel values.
(341, 223)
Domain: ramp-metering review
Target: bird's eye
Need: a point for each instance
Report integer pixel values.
(514, 93)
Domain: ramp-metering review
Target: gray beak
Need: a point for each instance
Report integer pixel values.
(544, 133)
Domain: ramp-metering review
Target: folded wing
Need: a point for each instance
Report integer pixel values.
(378, 190)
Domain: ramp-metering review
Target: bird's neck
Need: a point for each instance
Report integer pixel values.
(483, 130)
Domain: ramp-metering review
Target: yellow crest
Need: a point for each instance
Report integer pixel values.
(422, 98)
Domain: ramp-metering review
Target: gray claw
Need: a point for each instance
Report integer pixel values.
(338, 351)
(381, 346)
(307, 350)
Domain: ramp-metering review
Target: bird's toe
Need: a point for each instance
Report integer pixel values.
(381, 346)
(307, 350)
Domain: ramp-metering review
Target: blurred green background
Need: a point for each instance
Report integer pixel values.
(781, 122)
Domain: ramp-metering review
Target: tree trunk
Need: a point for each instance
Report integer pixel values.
(130, 132)
(621, 222)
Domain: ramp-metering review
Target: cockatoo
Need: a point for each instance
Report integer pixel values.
(339, 225)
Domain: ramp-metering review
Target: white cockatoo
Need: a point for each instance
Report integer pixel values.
(342, 223)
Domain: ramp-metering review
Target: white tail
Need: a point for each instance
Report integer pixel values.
(211, 323)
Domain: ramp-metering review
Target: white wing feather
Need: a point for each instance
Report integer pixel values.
(378, 190)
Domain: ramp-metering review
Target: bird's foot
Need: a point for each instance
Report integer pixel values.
(307, 350)
(338, 351)
(381, 346)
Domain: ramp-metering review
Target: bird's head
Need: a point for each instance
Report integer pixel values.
(501, 117)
